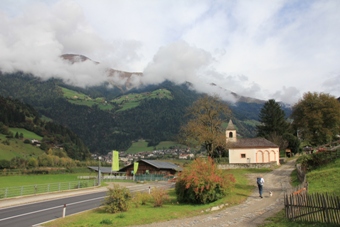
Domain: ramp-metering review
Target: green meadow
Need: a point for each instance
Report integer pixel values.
(133, 100)
(11, 148)
(124, 102)
(31, 179)
(26, 134)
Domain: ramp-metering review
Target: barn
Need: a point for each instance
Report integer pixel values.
(152, 167)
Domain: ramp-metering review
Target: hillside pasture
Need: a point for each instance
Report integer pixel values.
(133, 100)
(70, 94)
(17, 148)
(125, 102)
(27, 134)
(128, 105)
(78, 98)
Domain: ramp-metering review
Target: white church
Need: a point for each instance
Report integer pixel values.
(250, 150)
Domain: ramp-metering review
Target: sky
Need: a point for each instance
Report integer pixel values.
(264, 49)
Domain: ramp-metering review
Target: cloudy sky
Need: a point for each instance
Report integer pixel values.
(262, 49)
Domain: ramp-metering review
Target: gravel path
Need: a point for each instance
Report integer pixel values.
(251, 213)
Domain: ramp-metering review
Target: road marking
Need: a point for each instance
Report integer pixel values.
(51, 208)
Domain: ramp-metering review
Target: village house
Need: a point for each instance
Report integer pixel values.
(250, 150)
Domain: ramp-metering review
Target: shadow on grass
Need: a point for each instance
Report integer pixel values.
(244, 187)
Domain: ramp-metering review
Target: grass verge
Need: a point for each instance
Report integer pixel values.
(149, 214)
(322, 180)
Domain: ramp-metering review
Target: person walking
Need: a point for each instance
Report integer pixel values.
(260, 182)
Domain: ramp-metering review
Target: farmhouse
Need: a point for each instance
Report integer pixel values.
(250, 150)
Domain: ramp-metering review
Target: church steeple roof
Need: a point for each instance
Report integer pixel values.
(231, 125)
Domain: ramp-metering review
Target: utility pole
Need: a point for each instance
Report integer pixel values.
(99, 175)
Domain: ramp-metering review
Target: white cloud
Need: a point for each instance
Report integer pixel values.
(262, 49)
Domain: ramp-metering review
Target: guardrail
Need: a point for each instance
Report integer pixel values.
(45, 188)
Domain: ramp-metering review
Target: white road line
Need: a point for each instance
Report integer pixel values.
(51, 208)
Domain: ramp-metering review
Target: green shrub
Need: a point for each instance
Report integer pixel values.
(117, 199)
(315, 160)
(140, 198)
(159, 196)
(120, 216)
(106, 222)
(202, 182)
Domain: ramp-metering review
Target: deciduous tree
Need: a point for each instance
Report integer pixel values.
(205, 125)
(317, 118)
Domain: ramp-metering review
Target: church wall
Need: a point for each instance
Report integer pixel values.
(253, 155)
(242, 156)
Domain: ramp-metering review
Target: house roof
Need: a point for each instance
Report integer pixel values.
(162, 165)
(252, 143)
(102, 169)
(157, 164)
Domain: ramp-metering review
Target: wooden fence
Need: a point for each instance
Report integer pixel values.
(312, 207)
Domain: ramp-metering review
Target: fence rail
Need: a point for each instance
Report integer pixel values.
(45, 188)
(83, 182)
(312, 207)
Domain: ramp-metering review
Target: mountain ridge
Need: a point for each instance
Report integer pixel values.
(127, 75)
(104, 124)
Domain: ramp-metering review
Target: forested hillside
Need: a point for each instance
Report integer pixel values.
(100, 119)
(16, 114)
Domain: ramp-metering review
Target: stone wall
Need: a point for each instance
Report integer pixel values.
(247, 165)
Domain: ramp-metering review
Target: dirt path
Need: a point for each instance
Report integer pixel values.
(251, 213)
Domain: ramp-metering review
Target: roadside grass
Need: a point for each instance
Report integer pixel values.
(325, 179)
(21, 180)
(171, 210)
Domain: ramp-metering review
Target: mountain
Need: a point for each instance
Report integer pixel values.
(112, 116)
(15, 114)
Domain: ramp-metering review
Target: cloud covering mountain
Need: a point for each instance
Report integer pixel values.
(262, 49)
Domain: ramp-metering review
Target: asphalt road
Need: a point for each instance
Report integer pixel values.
(39, 212)
(31, 214)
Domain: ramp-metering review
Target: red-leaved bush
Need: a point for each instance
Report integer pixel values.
(202, 182)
